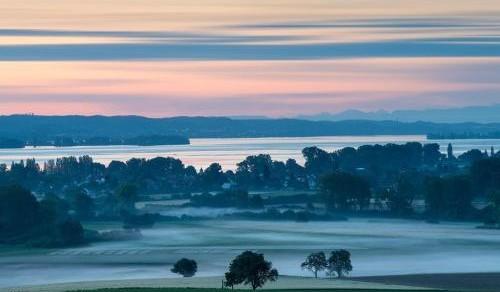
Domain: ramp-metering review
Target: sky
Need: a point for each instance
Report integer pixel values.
(275, 58)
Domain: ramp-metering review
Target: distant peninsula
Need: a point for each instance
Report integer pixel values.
(152, 140)
(144, 131)
(66, 141)
(453, 136)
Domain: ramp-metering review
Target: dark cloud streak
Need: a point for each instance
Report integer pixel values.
(403, 23)
(154, 51)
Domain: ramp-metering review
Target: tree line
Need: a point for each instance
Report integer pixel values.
(45, 223)
(381, 165)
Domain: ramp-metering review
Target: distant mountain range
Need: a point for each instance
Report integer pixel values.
(30, 127)
(476, 114)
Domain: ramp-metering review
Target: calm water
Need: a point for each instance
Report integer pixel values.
(230, 151)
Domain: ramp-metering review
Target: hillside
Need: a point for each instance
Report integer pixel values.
(31, 126)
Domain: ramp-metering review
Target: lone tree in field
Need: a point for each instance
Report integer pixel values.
(185, 267)
(315, 263)
(252, 269)
(339, 263)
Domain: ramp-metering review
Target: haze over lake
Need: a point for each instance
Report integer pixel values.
(229, 151)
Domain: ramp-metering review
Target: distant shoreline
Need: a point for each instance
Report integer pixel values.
(43, 128)
(68, 141)
(464, 136)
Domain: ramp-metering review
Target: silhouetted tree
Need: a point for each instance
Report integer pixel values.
(296, 175)
(260, 172)
(431, 154)
(315, 262)
(251, 269)
(449, 152)
(318, 161)
(339, 262)
(230, 280)
(212, 177)
(185, 267)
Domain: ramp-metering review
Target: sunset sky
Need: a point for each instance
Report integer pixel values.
(246, 57)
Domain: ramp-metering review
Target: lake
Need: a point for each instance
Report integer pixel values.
(229, 151)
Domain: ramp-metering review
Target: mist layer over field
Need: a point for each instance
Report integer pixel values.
(378, 246)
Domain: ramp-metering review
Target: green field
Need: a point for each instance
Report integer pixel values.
(227, 290)
(208, 284)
